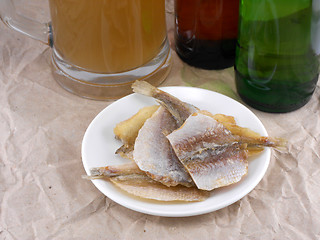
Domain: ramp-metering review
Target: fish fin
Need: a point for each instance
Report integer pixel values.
(144, 88)
(125, 151)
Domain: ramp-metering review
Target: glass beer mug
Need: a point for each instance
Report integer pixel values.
(99, 48)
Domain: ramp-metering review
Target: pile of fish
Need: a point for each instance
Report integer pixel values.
(179, 152)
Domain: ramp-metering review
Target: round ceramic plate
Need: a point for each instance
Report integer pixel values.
(99, 146)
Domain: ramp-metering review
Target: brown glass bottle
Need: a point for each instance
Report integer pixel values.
(206, 32)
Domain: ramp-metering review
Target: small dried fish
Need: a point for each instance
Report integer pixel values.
(153, 153)
(132, 180)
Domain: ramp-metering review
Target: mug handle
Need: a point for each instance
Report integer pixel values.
(22, 24)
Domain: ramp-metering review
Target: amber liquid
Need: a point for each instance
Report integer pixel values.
(206, 32)
(108, 36)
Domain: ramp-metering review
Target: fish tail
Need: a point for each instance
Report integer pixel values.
(144, 88)
(280, 144)
(276, 143)
(94, 174)
(100, 172)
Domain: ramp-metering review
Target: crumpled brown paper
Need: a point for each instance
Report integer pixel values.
(43, 196)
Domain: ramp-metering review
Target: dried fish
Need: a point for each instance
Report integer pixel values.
(153, 153)
(132, 180)
(224, 150)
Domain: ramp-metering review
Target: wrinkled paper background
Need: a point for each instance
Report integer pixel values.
(42, 194)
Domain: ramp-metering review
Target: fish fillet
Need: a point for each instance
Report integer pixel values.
(154, 154)
(211, 154)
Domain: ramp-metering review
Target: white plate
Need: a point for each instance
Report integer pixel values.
(99, 145)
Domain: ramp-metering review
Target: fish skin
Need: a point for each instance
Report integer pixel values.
(154, 154)
(214, 169)
(212, 155)
(180, 110)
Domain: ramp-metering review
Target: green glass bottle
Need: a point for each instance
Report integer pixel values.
(277, 54)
